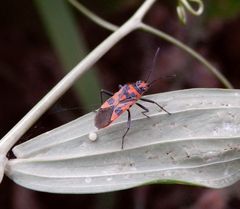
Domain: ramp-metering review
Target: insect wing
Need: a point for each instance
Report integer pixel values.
(104, 114)
(103, 117)
(112, 108)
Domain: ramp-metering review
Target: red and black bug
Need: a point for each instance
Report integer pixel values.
(123, 100)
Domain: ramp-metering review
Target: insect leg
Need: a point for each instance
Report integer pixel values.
(151, 101)
(103, 91)
(144, 108)
(128, 127)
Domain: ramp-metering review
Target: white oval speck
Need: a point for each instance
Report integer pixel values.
(92, 136)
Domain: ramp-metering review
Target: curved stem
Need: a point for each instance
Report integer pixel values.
(182, 14)
(98, 20)
(93, 16)
(187, 49)
(36, 112)
(196, 12)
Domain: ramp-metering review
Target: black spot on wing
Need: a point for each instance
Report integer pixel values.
(103, 117)
(110, 101)
(118, 110)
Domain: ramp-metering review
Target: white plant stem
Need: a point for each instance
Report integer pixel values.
(37, 111)
(109, 26)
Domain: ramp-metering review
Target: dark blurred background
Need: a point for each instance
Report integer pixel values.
(41, 40)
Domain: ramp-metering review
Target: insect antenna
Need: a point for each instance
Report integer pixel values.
(165, 77)
(153, 64)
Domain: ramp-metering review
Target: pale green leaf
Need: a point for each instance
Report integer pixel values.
(199, 143)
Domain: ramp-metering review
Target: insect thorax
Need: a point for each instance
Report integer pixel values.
(141, 86)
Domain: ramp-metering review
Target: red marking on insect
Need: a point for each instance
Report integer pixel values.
(123, 100)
